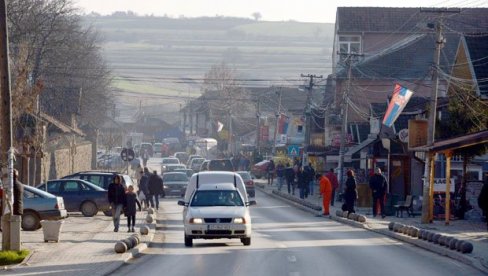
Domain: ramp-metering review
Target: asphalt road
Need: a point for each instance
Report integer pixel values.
(287, 241)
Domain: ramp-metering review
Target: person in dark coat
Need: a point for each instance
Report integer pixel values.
(155, 187)
(350, 194)
(18, 205)
(117, 200)
(130, 208)
(483, 201)
(302, 184)
(144, 188)
(270, 169)
(290, 178)
(378, 184)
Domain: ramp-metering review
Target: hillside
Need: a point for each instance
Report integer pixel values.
(160, 60)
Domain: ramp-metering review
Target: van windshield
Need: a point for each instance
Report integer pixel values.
(216, 198)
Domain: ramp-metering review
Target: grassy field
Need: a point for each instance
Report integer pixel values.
(166, 59)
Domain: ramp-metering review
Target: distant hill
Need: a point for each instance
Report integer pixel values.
(158, 60)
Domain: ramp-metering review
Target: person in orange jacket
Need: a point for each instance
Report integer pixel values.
(326, 192)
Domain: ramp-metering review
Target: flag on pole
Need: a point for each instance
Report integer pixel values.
(220, 126)
(401, 96)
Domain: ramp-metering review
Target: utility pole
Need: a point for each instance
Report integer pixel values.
(277, 118)
(428, 191)
(308, 112)
(344, 111)
(258, 126)
(10, 222)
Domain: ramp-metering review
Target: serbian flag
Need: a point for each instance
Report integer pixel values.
(401, 96)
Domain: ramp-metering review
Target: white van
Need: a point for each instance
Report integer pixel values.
(215, 207)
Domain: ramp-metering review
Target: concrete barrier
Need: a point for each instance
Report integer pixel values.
(361, 218)
(339, 213)
(452, 244)
(150, 211)
(435, 238)
(467, 247)
(442, 240)
(415, 232)
(120, 247)
(448, 241)
(150, 218)
(390, 225)
(144, 230)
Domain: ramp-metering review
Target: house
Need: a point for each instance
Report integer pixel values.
(399, 48)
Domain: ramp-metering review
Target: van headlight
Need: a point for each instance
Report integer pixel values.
(196, 220)
(239, 220)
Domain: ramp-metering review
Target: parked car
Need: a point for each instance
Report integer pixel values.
(182, 156)
(249, 182)
(195, 164)
(188, 172)
(79, 195)
(175, 183)
(220, 165)
(259, 169)
(101, 179)
(40, 205)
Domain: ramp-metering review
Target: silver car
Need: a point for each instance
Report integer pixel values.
(175, 183)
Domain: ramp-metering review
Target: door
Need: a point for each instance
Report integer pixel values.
(71, 193)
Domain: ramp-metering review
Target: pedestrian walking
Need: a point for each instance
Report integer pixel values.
(350, 193)
(117, 200)
(302, 183)
(18, 204)
(144, 189)
(280, 175)
(335, 184)
(289, 177)
(145, 157)
(326, 192)
(130, 208)
(155, 187)
(483, 201)
(270, 169)
(378, 184)
(310, 178)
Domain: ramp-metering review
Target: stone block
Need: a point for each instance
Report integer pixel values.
(120, 247)
(435, 238)
(149, 218)
(391, 225)
(144, 230)
(452, 244)
(466, 247)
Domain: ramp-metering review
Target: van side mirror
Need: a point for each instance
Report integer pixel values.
(251, 202)
(181, 203)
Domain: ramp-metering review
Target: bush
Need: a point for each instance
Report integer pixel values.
(12, 257)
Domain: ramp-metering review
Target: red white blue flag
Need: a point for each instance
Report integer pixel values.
(401, 96)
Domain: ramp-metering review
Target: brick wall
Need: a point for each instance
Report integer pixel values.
(60, 162)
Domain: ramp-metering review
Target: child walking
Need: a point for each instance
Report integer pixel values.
(130, 209)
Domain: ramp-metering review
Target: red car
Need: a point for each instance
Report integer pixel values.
(249, 182)
(259, 169)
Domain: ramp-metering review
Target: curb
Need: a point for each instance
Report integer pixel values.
(23, 263)
(464, 258)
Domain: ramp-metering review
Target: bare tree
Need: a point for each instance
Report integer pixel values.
(62, 55)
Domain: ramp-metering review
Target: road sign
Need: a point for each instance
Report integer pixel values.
(293, 150)
(127, 155)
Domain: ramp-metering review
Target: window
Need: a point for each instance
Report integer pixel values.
(71, 186)
(53, 187)
(29, 194)
(96, 179)
(349, 44)
(300, 129)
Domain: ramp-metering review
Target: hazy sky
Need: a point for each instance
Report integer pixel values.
(273, 10)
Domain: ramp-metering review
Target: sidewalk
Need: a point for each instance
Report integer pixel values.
(472, 231)
(86, 247)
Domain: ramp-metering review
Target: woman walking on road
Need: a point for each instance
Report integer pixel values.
(117, 200)
(350, 193)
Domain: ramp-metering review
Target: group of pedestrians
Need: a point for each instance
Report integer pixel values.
(122, 201)
(126, 200)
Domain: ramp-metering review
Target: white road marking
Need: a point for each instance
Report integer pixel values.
(292, 259)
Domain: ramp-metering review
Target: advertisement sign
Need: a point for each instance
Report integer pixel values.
(440, 185)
